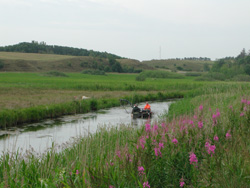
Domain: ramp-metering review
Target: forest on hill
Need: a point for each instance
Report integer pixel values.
(43, 48)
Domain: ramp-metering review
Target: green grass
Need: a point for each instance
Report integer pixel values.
(171, 65)
(33, 56)
(79, 81)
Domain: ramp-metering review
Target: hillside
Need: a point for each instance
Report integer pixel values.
(35, 62)
(180, 65)
(43, 48)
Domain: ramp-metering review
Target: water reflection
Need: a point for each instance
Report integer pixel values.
(40, 136)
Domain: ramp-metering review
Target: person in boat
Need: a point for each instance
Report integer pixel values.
(147, 107)
(136, 108)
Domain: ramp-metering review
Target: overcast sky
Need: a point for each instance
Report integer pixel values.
(135, 29)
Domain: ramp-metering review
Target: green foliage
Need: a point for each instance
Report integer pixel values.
(194, 74)
(1, 64)
(55, 74)
(161, 74)
(206, 67)
(179, 68)
(212, 77)
(93, 72)
(241, 78)
(140, 77)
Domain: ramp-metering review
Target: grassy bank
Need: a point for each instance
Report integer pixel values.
(203, 142)
(15, 117)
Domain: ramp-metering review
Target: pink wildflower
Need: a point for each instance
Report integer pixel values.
(214, 116)
(217, 113)
(200, 124)
(118, 153)
(216, 138)
(147, 127)
(146, 184)
(111, 186)
(228, 135)
(243, 101)
(182, 183)
(157, 152)
(195, 117)
(175, 141)
(77, 172)
(161, 145)
(155, 127)
(142, 142)
(201, 108)
(248, 102)
(141, 170)
(210, 148)
(193, 158)
(242, 114)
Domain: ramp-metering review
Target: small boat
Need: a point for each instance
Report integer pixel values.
(138, 112)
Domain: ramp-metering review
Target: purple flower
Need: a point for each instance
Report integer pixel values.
(118, 153)
(201, 108)
(141, 170)
(155, 127)
(193, 158)
(148, 127)
(228, 135)
(243, 101)
(200, 124)
(217, 113)
(182, 183)
(77, 172)
(175, 141)
(142, 142)
(216, 138)
(146, 184)
(161, 145)
(242, 114)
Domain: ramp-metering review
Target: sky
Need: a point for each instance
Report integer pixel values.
(135, 29)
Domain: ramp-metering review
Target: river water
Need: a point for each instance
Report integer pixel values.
(40, 136)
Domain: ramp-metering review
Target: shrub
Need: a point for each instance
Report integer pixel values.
(161, 74)
(193, 74)
(241, 78)
(140, 77)
(212, 76)
(56, 74)
(94, 72)
(1, 64)
(179, 68)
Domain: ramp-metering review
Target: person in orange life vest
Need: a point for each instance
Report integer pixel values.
(147, 106)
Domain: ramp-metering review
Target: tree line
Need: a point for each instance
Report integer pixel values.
(231, 68)
(43, 48)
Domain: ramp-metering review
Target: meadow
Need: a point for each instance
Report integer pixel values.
(202, 142)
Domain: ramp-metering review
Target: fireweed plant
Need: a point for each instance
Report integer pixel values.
(209, 147)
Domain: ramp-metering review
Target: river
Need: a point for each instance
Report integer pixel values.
(40, 136)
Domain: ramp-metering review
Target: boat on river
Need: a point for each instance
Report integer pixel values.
(138, 112)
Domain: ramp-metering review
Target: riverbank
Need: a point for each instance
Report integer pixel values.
(17, 117)
(202, 142)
